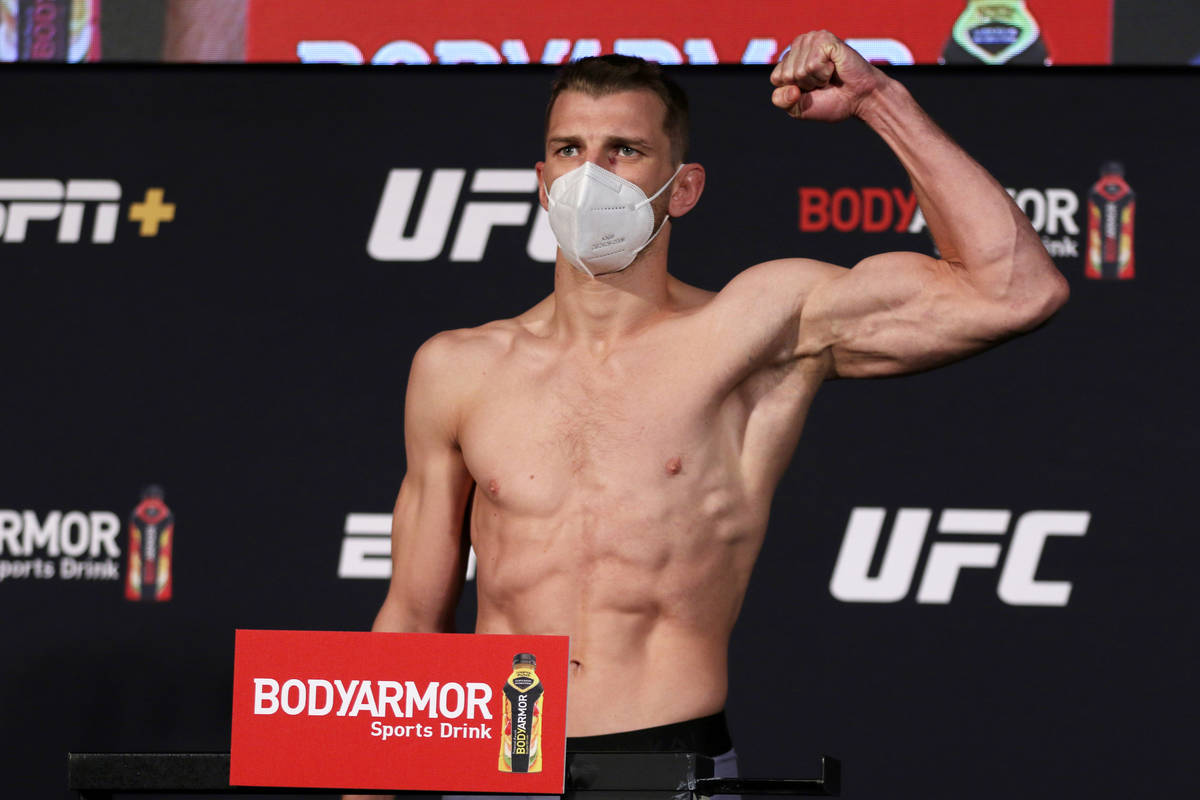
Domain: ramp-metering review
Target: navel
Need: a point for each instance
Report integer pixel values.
(674, 465)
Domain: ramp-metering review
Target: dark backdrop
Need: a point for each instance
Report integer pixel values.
(251, 358)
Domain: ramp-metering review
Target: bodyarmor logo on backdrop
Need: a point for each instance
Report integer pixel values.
(67, 545)
(42, 201)
(1017, 585)
(758, 50)
(876, 209)
(367, 548)
(83, 546)
(392, 240)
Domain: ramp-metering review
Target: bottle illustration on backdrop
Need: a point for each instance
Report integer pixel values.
(995, 32)
(1110, 226)
(151, 539)
(50, 30)
(521, 734)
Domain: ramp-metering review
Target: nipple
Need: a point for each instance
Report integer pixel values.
(493, 487)
(674, 465)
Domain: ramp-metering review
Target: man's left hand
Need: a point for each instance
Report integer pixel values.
(822, 78)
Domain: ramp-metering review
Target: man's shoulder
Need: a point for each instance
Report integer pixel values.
(771, 288)
(754, 320)
(451, 366)
(796, 273)
(461, 348)
(463, 356)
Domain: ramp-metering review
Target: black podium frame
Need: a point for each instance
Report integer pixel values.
(99, 776)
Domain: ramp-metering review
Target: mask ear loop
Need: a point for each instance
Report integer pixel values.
(666, 217)
(663, 188)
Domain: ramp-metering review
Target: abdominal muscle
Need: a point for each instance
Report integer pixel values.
(648, 596)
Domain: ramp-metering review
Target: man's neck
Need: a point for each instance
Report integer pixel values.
(600, 311)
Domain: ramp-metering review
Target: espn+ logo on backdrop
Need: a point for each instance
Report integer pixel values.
(367, 548)
(974, 543)
(78, 210)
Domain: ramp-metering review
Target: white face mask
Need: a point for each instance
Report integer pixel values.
(600, 220)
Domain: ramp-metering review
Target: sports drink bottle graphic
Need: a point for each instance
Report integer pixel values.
(521, 736)
(1110, 226)
(995, 32)
(50, 30)
(151, 537)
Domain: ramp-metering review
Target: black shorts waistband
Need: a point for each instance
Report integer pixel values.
(708, 736)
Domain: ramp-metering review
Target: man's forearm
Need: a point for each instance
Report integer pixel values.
(972, 219)
(394, 618)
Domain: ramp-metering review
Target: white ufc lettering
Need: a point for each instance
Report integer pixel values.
(1018, 585)
(389, 242)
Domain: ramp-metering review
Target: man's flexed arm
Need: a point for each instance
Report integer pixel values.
(429, 555)
(900, 312)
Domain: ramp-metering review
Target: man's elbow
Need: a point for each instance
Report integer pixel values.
(1040, 301)
(1057, 294)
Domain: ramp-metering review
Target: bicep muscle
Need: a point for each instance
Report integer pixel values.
(898, 313)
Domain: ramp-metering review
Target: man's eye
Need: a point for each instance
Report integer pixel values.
(626, 150)
(568, 150)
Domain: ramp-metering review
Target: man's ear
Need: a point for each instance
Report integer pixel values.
(538, 167)
(689, 185)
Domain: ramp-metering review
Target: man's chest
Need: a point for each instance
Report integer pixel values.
(533, 436)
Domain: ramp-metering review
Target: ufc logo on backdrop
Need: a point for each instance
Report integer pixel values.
(436, 215)
(1017, 584)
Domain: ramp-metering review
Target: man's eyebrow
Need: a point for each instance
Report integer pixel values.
(644, 144)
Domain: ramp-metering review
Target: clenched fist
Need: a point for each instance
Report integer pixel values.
(822, 78)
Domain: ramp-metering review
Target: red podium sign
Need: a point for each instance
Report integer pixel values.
(403, 711)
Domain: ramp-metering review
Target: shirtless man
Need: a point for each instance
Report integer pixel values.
(622, 439)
